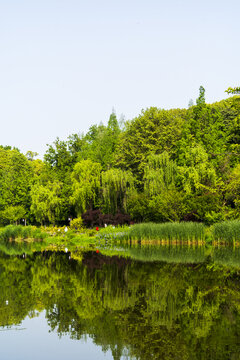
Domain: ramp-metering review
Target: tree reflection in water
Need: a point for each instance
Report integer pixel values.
(155, 310)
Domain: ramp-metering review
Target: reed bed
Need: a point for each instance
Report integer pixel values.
(113, 234)
(13, 232)
(172, 232)
(226, 232)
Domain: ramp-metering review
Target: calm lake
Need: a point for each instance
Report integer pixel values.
(152, 302)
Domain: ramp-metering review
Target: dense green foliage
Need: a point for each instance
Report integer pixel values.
(164, 165)
(152, 310)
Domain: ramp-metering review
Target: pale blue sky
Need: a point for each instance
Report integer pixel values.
(65, 64)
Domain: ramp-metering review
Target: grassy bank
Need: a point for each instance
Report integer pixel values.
(23, 239)
(227, 232)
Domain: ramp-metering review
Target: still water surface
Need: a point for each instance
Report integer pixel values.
(160, 303)
(32, 340)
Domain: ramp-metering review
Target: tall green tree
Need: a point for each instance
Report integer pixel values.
(46, 202)
(60, 160)
(59, 157)
(85, 185)
(117, 186)
(101, 142)
(165, 203)
(15, 179)
(197, 174)
(152, 132)
(204, 125)
(159, 174)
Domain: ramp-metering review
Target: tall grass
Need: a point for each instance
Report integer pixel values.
(182, 232)
(226, 231)
(13, 232)
(113, 234)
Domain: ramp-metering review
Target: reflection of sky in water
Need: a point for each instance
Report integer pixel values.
(176, 300)
(32, 341)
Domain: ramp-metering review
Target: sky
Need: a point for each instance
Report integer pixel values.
(65, 64)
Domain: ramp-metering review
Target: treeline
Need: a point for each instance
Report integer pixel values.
(164, 165)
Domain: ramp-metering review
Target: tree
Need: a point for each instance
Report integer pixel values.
(205, 125)
(197, 174)
(12, 214)
(30, 155)
(232, 190)
(159, 174)
(59, 157)
(15, 179)
(85, 185)
(152, 132)
(46, 202)
(170, 205)
(76, 144)
(117, 187)
(165, 203)
(235, 90)
(100, 143)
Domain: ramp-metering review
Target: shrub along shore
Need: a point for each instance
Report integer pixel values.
(227, 232)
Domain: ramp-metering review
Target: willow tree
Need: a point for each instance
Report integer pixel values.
(198, 174)
(159, 174)
(85, 185)
(165, 203)
(117, 186)
(46, 202)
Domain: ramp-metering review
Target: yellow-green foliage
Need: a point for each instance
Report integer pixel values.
(117, 185)
(159, 174)
(76, 224)
(85, 184)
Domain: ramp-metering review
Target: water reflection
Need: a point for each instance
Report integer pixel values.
(187, 309)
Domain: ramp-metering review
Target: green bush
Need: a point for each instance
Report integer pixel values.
(11, 232)
(76, 224)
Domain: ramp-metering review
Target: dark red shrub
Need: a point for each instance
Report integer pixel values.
(94, 218)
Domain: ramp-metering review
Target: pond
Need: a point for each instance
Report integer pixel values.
(150, 302)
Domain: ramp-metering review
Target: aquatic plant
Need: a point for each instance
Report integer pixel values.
(183, 231)
(112, 233)
(226, 231)
(13, 232)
